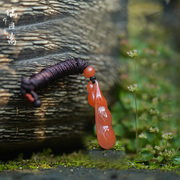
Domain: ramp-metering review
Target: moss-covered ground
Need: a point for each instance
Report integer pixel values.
(92, 157)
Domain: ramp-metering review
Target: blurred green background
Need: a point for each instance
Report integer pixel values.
(153, 30)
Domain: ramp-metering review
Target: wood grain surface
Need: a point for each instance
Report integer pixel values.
(46, 33)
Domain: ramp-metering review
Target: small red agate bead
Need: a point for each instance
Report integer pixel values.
(90, 87)
(91, 96)
(29, 97)
(91, 99)
(89, 72)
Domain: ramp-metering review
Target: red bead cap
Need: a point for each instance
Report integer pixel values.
(89, 72)
(29, 97)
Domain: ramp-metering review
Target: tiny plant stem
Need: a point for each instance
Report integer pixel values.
(166, 144)
(155, 121)
(136, 117)
(135, 65)
(177, 150)
(155, 139)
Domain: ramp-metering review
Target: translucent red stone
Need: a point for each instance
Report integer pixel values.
(91, 96)
(91, 99)
(105, 133)
(90, 87)
(89, 72)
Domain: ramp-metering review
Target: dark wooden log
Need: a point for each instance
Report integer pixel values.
(46, 33)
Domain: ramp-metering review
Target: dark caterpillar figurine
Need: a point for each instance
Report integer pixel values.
(48, 75)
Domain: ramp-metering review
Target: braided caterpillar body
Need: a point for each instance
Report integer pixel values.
(48, 75)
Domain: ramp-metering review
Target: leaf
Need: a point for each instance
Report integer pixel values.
(176, 160)
(160, 158)
(145, 156)
(119, 130)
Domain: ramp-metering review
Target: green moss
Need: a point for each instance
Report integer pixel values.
(46, 160)
(91, 143)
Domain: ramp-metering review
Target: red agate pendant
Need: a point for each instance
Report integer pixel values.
(105, 133)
